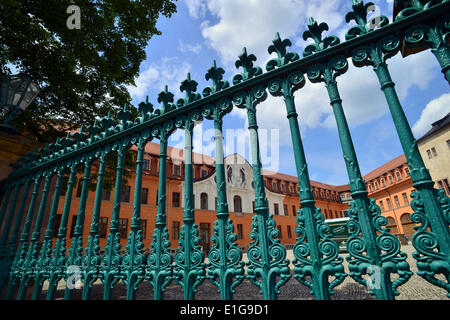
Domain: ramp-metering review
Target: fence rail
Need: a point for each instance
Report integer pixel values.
(35, 257)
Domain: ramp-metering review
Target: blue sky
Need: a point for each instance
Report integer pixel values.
(206, 30)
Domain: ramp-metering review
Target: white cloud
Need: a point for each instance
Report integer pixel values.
(434, 110)
(253, 24)
(154, 77)
(197, 8)
(187, 47)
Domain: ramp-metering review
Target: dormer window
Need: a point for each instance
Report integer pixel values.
(398, 175)
(176, 170)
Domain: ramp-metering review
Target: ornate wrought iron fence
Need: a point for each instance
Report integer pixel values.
(26, 262)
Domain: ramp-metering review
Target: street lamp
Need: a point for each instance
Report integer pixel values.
(16, 94)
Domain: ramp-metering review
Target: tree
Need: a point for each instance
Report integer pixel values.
(82, 72)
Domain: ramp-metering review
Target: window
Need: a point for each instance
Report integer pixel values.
(336, 213)
(283, 188)
(289, 232)
(391, 179)
(376, 185)
(294, 211)
(285, 210)
(448, 143)
(144, 196)
(397, 202)
(106, 195)
(237, 202)
(176, 170)
(345, 213)
(325, 211)
(125, 194)
(370, 188)
(144, 228)
(443, 184)
(79, 188)
(204, 173)
(204, 201)
(274, 186)
(72, 227)
(349, 196)
(146, 164)
(123, 228)
(175, 230)
(398, 175)
(389, 203)
(407, 171)
(56, 225)
(103, 227)
(240, 231)
(383, 183)
(342, 197)
(176, 199)
(381, 205)
(279, 231)
(433, 151)
(292, 190)
(275, 209)
(429, 154)
(405, 199)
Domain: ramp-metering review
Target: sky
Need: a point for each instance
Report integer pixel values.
(206, 30)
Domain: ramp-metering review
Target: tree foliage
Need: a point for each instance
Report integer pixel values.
(83, 73)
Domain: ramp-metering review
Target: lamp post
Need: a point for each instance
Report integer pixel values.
(16, 94)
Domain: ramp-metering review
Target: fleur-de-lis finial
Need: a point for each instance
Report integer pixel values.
(215, 74)
(145, 107)
(166, 98)
(359, 15)
(94, 129)
(314, 32)
(246, 62)
(190, 87)
(283, 57)
(124, 115)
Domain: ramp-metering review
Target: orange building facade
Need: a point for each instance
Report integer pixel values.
(281, 191)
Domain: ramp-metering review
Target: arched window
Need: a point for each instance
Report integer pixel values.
(204, 201)
(237, 201)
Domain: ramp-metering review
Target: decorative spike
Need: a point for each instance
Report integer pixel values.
(315, 32)
(190, 86)
(215, 74)
(166, 98)
(283, 57)
(246, 62)
(359, 15)
(145, 107)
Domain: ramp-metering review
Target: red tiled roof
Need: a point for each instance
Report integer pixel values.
(388, 166)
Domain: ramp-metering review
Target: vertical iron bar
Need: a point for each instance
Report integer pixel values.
(160, 259)
(27, 269)
(110, 270)
(20, 257)
(134, 258)
(189, 257)
(57, 266)
(7, 259)
(41, 268)
(91, 260)
(75, 256)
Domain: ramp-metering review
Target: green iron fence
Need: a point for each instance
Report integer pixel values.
(27, 261)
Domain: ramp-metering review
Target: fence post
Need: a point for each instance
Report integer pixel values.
(428, 203)
(27, 268)
(225, 257)
(318, 257)
(91, 259)
(42, 264)
(134, 257)
(7, 259)
(267, 256)
(159, 272)
(57, 264)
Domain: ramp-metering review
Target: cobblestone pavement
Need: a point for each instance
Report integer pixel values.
(415, 289)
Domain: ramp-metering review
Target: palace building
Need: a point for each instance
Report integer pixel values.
(390, 185)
